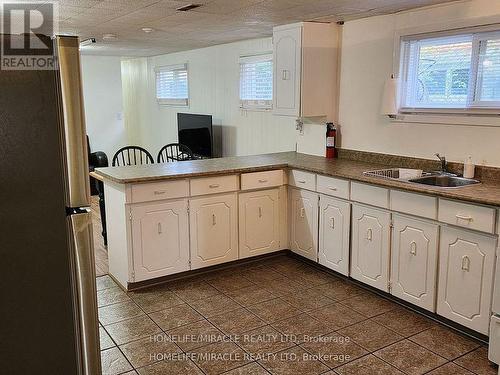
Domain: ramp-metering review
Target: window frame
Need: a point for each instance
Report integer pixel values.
(475, 110)
(172, 102)
(255, 105)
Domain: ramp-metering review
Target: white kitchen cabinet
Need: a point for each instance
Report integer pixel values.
(259, 222)
(370, 246)
(334, 225)
(305, 69)
(160, 239)
(304, 223)
(414, 261)
(213, 224)
(466, 266)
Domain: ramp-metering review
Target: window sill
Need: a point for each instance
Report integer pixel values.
(447, 119)
(256, 109)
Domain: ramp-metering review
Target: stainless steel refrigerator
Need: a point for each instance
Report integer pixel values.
(48, 308)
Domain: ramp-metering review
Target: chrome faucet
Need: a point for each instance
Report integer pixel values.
(444, 163)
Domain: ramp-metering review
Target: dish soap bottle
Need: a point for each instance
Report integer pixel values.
(468, 168)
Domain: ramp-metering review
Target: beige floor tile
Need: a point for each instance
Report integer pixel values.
(236, 322)
(293, 361)
(118, 312)
(273, 310)
(370, 335)
(369, 304)
(196, 335)
(410, 358)
(404, 322)
(263, 341)
(111, 295)
(156, 299)
(445, 342)
(215, 305)
(149, 350)
(250, 369)
(178, 367)
(113, 362)
(105, 282)
(337, 316)
(368, 365)
(175, 317)
(302, 327)
(334, 349)
(219, 357)
(132, 329)
(477, 362)
(309, 300)
(251, 295)
(450, 369)
(105, 341)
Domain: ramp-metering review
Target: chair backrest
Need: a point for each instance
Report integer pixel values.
(174, 152)
(132, 155)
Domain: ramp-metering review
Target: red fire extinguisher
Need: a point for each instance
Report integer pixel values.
(331, 134)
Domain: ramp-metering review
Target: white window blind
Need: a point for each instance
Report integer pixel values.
(256, 81)
(172, 85)
(450, 72)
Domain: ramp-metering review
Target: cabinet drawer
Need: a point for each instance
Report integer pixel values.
(494, 352)
(303, 180)
(159, 190)
(262, 180)
(333, 186)
(467, 215)
(414, 204)
(214, 185)
(369, 194)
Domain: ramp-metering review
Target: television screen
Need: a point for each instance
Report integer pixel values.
(195, 131)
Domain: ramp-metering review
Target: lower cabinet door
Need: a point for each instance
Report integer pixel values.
(370, 246)
(259, 222)
(414, 261)
(334, 222)
(160, 239)
(466, 266)
(494, 350)
(213, 225)
(304, 223)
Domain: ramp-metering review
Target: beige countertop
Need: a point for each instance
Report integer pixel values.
(488, 192)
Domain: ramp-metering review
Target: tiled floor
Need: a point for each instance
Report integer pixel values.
(278, 316)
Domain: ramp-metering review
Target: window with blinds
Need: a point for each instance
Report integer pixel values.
(256, 82)
(172, 85)
(450, 72)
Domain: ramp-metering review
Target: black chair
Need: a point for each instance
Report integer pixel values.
(132, 155)
(174, 152)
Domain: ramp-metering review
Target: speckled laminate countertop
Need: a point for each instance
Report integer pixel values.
(488, 192)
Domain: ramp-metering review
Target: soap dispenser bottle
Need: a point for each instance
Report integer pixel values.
(468, 168)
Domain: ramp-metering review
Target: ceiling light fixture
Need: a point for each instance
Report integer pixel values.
(109, 36)
(185, 8)
(87, 42)
(148, 29)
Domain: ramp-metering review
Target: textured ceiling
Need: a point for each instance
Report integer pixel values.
(215, 22)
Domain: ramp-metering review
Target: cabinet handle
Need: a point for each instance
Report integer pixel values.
(301, 181)
(262, 181)
(260, 211)
(213, 186)
(214, 219)
(333, 188)
(159, 228)
(465, 263)
(332, 222)
(463, 217)
(285, 75)
(369, 234)
(159, 192)
(302, 212)
(413, 248)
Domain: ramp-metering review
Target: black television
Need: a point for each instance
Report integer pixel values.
(195, 131)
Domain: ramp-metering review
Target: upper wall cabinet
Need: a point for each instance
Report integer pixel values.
(305, 69)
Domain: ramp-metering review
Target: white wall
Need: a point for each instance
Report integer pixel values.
(214, 89)
(367, 51)
(102, 93)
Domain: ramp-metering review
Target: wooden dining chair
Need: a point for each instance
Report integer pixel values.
(174, 152)
(132, 155)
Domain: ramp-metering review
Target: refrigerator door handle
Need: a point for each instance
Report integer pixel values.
(85, 299)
